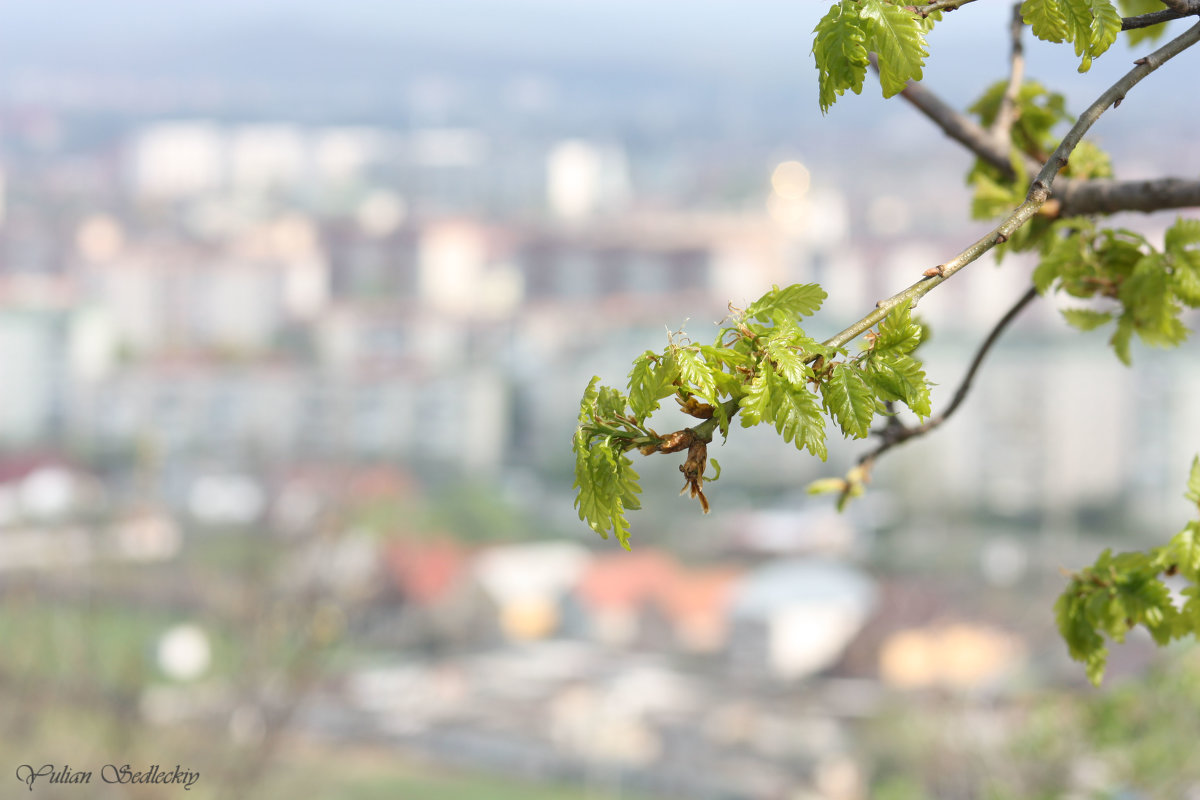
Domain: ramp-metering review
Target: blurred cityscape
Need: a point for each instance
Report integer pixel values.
(291, 360)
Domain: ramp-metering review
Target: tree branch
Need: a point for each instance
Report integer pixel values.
(1148, 20)
(1039, 193)
(963, 129)
(1102, 196)
(895, 433)
(1183, 7)
(1113, 95)
(1007, 114)
(1078, 197)
(1039, 190)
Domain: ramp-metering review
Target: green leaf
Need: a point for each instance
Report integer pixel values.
(1193, 485)
(850, 399)
(898, 377)
(1184, 549)
(899, 40)
(1181, 245)
(798, 419)
(1092, 25)
(605, 481)
(792, 408)
(839, 48)
(587, 405)
(1183, 234)
(1148, 299)
(607, 485)
(1077, 630)
(1187, 622)
(1145, 600)
(1045, 19)
(755, 404)
(1105, 25)
(1065, 252)
(1121, 339)
(787, 362)
(652, 378)
(1089, 161)
(827, 486)
(797, 300)
(696, 374)
(898, 332)
(1085, 319)
(993, 198)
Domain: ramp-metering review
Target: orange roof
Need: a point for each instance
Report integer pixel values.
(624, 581)
(699, 593)
(380, 482)
(425, 571)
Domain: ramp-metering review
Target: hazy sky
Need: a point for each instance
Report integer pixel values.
(751, 40)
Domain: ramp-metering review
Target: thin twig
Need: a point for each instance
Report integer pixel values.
(1148, 20)
(939, 5)
(1007, 114)
(895, 434)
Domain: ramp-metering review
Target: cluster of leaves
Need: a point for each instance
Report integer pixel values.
(1091, 25)
(1119, 592)
(762, 365)
(1150, 287)
(853, 28)
(1037, 113)
(896, 32)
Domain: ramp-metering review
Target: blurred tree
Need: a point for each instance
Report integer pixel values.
(1049, 193)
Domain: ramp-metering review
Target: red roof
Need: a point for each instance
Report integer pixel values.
(424, 572)
(624, 581)
(18, 467)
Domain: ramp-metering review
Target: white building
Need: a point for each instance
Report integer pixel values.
(175, 160)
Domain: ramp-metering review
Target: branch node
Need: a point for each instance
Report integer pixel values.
(934, 272)
(1001, 237)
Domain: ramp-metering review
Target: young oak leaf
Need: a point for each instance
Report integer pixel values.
(607, 486)
(695, 373)
(897, 376)
(788, 362)
(899, 40)
(1085, 319)
(1183, 551)
(1193, 484)
(1045, 19)
(850, 399)
(652, 378)
(797, 300)
(1106, 24)
(1181, 245)
(840, 52)
(755, 404)
(1077, 630)
(898, 332)
(798, 418)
